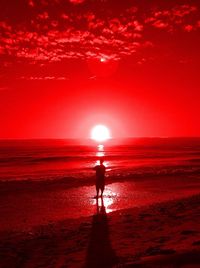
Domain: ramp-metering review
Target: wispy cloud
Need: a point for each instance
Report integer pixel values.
(3, 88)
(76, 1)
(44, 78)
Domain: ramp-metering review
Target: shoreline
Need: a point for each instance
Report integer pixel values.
(7, 186)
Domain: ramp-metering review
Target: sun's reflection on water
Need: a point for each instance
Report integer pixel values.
(107, 200)
(100, 154)
(100, 147)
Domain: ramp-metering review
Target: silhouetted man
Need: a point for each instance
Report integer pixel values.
(100, 177)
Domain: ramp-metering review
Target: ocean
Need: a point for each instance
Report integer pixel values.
(67, 160)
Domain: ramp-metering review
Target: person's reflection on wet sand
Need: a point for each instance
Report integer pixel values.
(100, 252)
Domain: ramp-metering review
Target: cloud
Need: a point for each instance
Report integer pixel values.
(113, 38)
(3, 88)
(76, 1)
(43, 78)
(5, 26)
(160, 24)
(31, 3)
(57, 31)
(43, 16)
(183, 10)
(188, 28)
(170, 19)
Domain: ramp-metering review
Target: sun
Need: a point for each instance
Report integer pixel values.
(102, 60)
(100, 133)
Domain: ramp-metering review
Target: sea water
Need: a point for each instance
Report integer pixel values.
(63, 159)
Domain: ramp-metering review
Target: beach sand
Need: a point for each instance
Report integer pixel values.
(149, 229)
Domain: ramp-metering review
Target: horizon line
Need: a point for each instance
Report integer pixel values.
(110, 139)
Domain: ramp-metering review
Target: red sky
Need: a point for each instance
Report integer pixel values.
(68, 65)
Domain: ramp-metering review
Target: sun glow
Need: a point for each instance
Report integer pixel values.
(100, 133)
(102, 60)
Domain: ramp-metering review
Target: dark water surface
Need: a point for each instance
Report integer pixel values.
(58, 159)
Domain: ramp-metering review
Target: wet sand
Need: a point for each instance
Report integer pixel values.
(34, 206)
(139, 224)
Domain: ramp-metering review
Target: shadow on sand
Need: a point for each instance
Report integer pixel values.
(100, 252)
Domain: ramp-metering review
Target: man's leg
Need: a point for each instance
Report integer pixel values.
(97, 190)
(102, 190)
